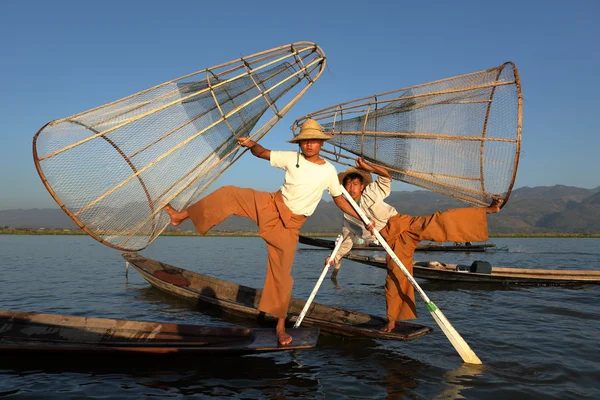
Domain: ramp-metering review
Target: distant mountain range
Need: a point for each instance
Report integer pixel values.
(541, 209)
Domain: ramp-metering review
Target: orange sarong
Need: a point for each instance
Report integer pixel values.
(403, 233)
(277, 225)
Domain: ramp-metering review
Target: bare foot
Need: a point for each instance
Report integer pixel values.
(177, 217)
(282, 337)
(494, 207)
(389, 327)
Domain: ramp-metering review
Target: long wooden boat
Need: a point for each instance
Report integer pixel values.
(36, 333)
(330, 244)
(243, 301)
(508, 276)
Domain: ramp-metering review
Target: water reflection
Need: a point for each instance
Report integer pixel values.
(458, 380)
(247, 376)
(360, 364)
(236, 377)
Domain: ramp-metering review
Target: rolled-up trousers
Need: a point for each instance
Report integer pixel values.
(277, 225)
(403, 233)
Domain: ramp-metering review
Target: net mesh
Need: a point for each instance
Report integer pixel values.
(458, 136)
(113, 168)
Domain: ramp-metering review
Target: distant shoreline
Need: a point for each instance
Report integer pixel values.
(13, 231)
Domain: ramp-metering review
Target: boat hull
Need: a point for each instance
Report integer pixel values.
(36, 333)
(243, 301)
(329, 244)
(504, 276)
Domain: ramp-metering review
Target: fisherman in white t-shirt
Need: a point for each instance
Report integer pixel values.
(278, 215)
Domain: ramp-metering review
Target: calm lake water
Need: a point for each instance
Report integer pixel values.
(539, 342)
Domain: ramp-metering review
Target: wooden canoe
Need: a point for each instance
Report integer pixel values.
(329, 244)
(508, 276)
(33, 333)
(243, 301)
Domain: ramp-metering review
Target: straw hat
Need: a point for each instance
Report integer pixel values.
(366, 175)
(310, 129)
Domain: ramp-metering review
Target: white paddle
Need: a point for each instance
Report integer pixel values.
(453, 336)
(338, 244)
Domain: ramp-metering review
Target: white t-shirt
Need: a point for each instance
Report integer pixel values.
(303, 186)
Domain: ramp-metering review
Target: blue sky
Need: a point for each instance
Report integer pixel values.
(59, 58)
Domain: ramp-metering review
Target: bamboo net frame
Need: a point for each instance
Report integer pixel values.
(113, 168)
(459, 136)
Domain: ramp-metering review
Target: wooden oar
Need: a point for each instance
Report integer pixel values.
(338, 243)
(453, 336)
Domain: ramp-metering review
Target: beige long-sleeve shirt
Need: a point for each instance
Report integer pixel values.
(371, 202)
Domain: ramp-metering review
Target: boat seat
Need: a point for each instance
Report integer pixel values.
(481, 267)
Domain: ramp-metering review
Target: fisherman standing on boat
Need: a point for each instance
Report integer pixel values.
(278, 215)
(369, 195)
(403, 232)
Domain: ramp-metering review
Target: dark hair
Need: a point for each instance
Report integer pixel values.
(351, 176)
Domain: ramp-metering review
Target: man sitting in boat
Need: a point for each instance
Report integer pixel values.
(278, 215)
(403, 232)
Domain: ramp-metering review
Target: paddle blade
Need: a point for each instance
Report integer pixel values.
(461, 346)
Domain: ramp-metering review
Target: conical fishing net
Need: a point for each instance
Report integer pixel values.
(459, 136)
(113, 168)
